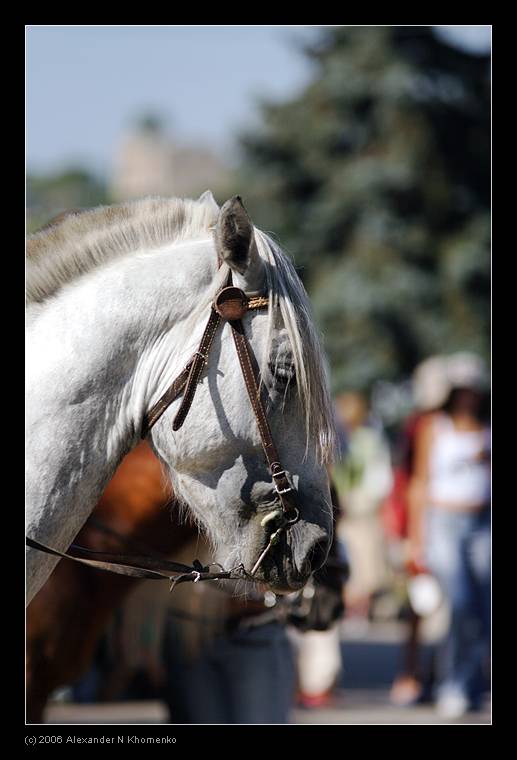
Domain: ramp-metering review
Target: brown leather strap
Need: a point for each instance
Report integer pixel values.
(187, 379)
(250, 373)
(170, 395)
(134, 566)
(198, 362)
(230, 305)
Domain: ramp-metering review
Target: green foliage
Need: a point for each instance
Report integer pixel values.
(48, 196)
(377, 179)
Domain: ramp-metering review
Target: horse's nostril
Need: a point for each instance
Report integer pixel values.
(315, 557)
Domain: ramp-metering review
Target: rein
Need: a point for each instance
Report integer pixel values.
(141, 567)
(230, 305)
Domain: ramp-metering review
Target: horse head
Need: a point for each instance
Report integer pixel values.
(118, 298)
(216, 458)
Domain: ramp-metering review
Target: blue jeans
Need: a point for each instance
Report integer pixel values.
(458, 554)
(244, 677)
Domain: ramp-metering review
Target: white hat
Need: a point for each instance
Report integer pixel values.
(466, 370)
(430, 383)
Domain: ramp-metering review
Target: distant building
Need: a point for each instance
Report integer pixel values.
(147, 162)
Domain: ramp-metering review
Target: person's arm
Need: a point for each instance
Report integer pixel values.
(418, 490)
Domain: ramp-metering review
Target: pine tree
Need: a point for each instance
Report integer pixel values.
(377, 179)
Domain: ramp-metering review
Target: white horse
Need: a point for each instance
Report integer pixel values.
(117, 300)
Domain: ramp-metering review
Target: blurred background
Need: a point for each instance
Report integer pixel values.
(366, 151)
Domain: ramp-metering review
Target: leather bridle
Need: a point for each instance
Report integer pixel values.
(229, 305)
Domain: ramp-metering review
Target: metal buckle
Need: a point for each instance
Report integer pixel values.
(277, 489)
(284, 490)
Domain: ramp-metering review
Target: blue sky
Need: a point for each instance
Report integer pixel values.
(85, 84)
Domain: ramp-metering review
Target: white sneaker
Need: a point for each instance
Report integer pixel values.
(452, 706)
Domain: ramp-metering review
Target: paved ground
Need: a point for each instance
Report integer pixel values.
(356, 707)
(110, 712)
(371, 658)
(369, 707)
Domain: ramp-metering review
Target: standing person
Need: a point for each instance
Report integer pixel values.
(314, 621)
(430, 390)
(450, 528)
(228, 659)
(363, 479)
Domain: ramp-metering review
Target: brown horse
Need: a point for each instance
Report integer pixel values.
(66, 619)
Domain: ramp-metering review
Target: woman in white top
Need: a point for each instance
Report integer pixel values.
(450, 528)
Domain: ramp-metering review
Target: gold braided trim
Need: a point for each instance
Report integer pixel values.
(259, 302)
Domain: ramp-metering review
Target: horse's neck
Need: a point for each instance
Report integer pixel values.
(98, 355)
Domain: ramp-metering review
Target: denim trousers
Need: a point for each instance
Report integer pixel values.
(458, 548)
(244, 677)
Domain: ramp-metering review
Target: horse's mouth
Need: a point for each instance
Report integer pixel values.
(269, 561)
(274, 568)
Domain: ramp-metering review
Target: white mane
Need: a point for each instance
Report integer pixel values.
(81, 242)
(287, 293)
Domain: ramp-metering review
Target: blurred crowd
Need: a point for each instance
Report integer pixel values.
(422, 510)
(412, 539)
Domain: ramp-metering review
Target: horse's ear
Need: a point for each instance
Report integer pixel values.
(208, 199)
(235, 242)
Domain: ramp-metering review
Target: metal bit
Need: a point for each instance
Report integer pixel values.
(272, 541)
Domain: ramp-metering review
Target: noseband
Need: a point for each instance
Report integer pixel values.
(229, 305)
